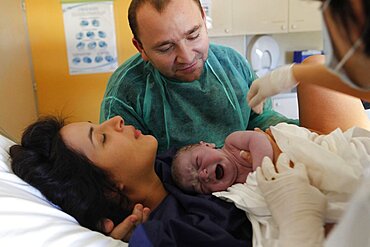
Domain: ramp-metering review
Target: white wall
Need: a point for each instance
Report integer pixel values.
(288, 42)
(297, 41)
(285, 103)
(236, 42)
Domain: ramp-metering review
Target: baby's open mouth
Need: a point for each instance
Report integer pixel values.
(219, 172)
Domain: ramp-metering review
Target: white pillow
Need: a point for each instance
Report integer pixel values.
(29, 219)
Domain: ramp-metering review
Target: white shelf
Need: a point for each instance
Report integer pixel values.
(286, 104)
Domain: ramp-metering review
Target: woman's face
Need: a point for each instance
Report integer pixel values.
(120, 150)
(357, 66)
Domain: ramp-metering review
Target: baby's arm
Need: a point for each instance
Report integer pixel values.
(254, 142)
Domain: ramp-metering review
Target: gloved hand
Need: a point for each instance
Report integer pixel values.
(297, 207)
(275, 82)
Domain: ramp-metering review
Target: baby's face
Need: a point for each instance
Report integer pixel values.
(204, 169)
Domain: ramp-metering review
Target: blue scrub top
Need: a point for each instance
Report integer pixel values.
(180, 113)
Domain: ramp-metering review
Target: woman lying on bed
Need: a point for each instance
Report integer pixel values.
(99, 172)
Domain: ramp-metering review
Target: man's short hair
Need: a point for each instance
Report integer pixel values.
(159, 5)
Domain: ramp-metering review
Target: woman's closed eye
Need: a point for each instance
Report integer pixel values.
(104, 138)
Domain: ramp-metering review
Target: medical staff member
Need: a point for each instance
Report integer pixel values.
(180, 88)
(346, 46)
(296, 206)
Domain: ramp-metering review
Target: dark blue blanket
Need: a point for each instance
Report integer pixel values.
(191, 220)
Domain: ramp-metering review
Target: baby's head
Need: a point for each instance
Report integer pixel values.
(203, 169)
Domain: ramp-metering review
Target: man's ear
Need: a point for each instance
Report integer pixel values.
(203, 13)
(204, 17)
(212, 145)
(139, 48)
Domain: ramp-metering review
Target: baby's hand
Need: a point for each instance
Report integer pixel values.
(258, 130)
(245, 155)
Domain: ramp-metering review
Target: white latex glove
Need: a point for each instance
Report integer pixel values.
(297, 207)
(275, 82)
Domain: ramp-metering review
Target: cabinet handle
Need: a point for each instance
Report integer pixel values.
(294, 26)
(227, 30)
(283, 27)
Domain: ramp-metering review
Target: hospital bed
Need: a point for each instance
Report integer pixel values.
(28, 219)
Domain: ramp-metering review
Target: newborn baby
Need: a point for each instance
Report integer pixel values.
(334, 162)
(203, 168)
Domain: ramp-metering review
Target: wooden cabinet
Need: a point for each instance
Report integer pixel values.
(18, 106)
(304, 16)
(221, 16)
(260, 16)
(247, 17)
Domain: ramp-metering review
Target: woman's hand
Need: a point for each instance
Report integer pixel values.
(297, 207)
(123, 231)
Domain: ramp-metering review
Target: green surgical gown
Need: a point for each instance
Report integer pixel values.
(181, 113)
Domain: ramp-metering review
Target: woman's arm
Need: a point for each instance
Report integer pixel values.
(319, 75)
(311, 72)
(324, 110)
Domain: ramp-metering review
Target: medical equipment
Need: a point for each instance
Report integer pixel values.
(299, 56)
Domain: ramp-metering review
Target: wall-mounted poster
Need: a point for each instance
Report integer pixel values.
(90, 36)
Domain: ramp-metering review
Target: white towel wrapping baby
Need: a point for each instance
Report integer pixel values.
(334, 164)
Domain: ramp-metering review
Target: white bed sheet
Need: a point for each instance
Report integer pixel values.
(28, 219)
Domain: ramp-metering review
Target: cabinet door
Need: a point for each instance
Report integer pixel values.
(260, 16)
(17, 96)
(304, 16)
(220, 12)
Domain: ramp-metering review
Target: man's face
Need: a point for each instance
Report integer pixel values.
(174, 41)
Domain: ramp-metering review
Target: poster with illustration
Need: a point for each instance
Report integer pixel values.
(90, 36)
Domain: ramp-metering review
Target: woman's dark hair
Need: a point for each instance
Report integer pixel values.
(65, 177)
(343, 12)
